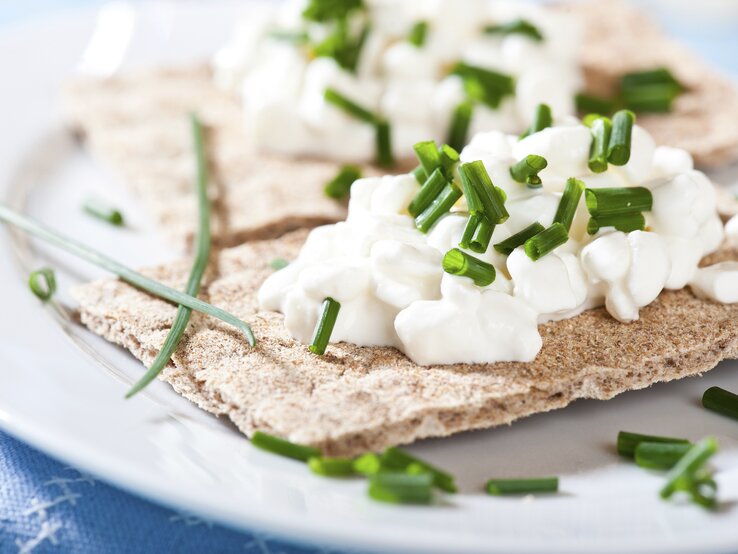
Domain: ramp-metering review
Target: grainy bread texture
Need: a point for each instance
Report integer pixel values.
(136, 124)
(619, 38)
(356, 399)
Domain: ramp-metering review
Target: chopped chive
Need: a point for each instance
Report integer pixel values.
(721, 401)
(295, 37)
(384, 144)
(484, 85)
(590, 118)
(42, 283)
(460, 122)
(440, 206)
(622, 222)
(656, 98)
(686, 474)
(202, 253)
(430, 190)
(401, 487)
(617, 200)
(341, 45)
(420, 174)
(332, 96)
(542, 119)
(516, 26)
(340, 185)
(658, 76)
(526, 170)
(546, 241)
(97, 209)
(569, 202)
(462, 264)
(474, 176)
(283, 447)
(618, 149)
(590, 103)
(331, 467)
(449, 159)
(471, 225)
(499, 487)
(428, 155)
(600, 128)
(518, 239)
(278, 263)
(367, 464)
(329, 10)
(398, 459)
(324, 327)
(659, 455)
(481, 237)
(418, 33)
(628, 442)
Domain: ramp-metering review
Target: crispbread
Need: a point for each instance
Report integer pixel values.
(136, 124)
(356, 399)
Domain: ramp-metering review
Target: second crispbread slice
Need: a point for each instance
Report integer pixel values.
(355, 399)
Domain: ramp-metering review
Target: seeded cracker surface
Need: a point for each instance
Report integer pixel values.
(356, 399)
(136, 125)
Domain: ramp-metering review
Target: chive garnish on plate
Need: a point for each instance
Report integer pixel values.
(600, 127)
(628, 442)
(328, 10)
(324, 327)
(103, 212)
(518, 239)
(367, 464)
(498, 487)
(471, 225)
(527, 170)
(618, 148)
(542, 118)
(427, 193)
(660, 455)
(283, 447)
(546, 241)
(397, 459)
(331, 467)
(626, 223)
(617, 200)
(721, 401)
(690, 476)
(484, 85)
(474, 177)
(591, 103)
(278, 263)
(442, 204)
(460, 122)
(516, 26)
(401, 488)
(457, 262)
(42, 283)
(418, 34)
(202, 252)
(340, 185)
(481, 236)
(569, 202)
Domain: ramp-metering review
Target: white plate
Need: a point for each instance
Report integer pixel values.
(61, 388)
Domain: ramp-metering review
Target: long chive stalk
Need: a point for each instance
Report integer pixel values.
(202, 252)
(155, 288)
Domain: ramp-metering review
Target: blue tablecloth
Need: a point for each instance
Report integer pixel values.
(48, 507)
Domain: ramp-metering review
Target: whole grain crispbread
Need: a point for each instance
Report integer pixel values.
(136, 124)
(356, 399)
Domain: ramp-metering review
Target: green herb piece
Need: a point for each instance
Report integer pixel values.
(484, 85)
(457, 262)
(367, 464)
(341, 45)
(324, 327)
(401, 487)
(430, 190)
(659, 455)
(420, 174)
(622, 222)
(42, 283)
(384, 144)
(618, 148)
(332, 96)
(542, 119)
(628, 442)
(283, 447)
(397, 459)
(428, 155)
(546, 241)
(295, 37)
(590, 103)
(471, 225)
(474, 177)
(518, 239)
(340, 185)
(516, 26)
(331, 467)
(460, 122)
(569, 202)
(721, 401)
(658, 76)
(499, 487)
(650, 98)
(449, 159)
(202, 252)
(689, 475)
(526, 170)
(482, 236)
(617, 201)
(601, 128)
(439, 207)
(328, 10)
(103, 212)
(590, 118)
(278, 263)
(418, 34)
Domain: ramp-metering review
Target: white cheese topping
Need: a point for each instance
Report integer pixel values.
(389, 279)
(282, 86)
